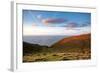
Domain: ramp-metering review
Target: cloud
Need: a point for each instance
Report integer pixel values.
(72, 24)
(54, 20)
(30, 31)
(39, 16)
(86, 24)
(33, 24)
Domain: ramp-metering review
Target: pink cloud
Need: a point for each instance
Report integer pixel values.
(53, 20)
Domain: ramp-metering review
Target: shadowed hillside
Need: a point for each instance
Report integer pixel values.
(32, 48)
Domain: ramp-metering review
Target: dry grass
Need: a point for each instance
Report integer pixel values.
(58, 56)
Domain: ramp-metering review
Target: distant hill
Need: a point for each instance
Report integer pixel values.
(79, 41)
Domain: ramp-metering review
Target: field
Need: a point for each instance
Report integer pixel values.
(58, 56)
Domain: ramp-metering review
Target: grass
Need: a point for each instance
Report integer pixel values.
(70, 54)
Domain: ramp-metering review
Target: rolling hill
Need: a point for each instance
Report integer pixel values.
(32, 48)
(79, 41)
(70, 48)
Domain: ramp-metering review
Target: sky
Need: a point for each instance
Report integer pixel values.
(37, 22)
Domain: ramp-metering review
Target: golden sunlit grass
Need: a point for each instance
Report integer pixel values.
(58, 56)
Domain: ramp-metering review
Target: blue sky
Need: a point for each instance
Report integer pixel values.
(56, 19)
(55, 23)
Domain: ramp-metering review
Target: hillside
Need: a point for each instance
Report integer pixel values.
(70, 48)
(79, 41)
(29, 48)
